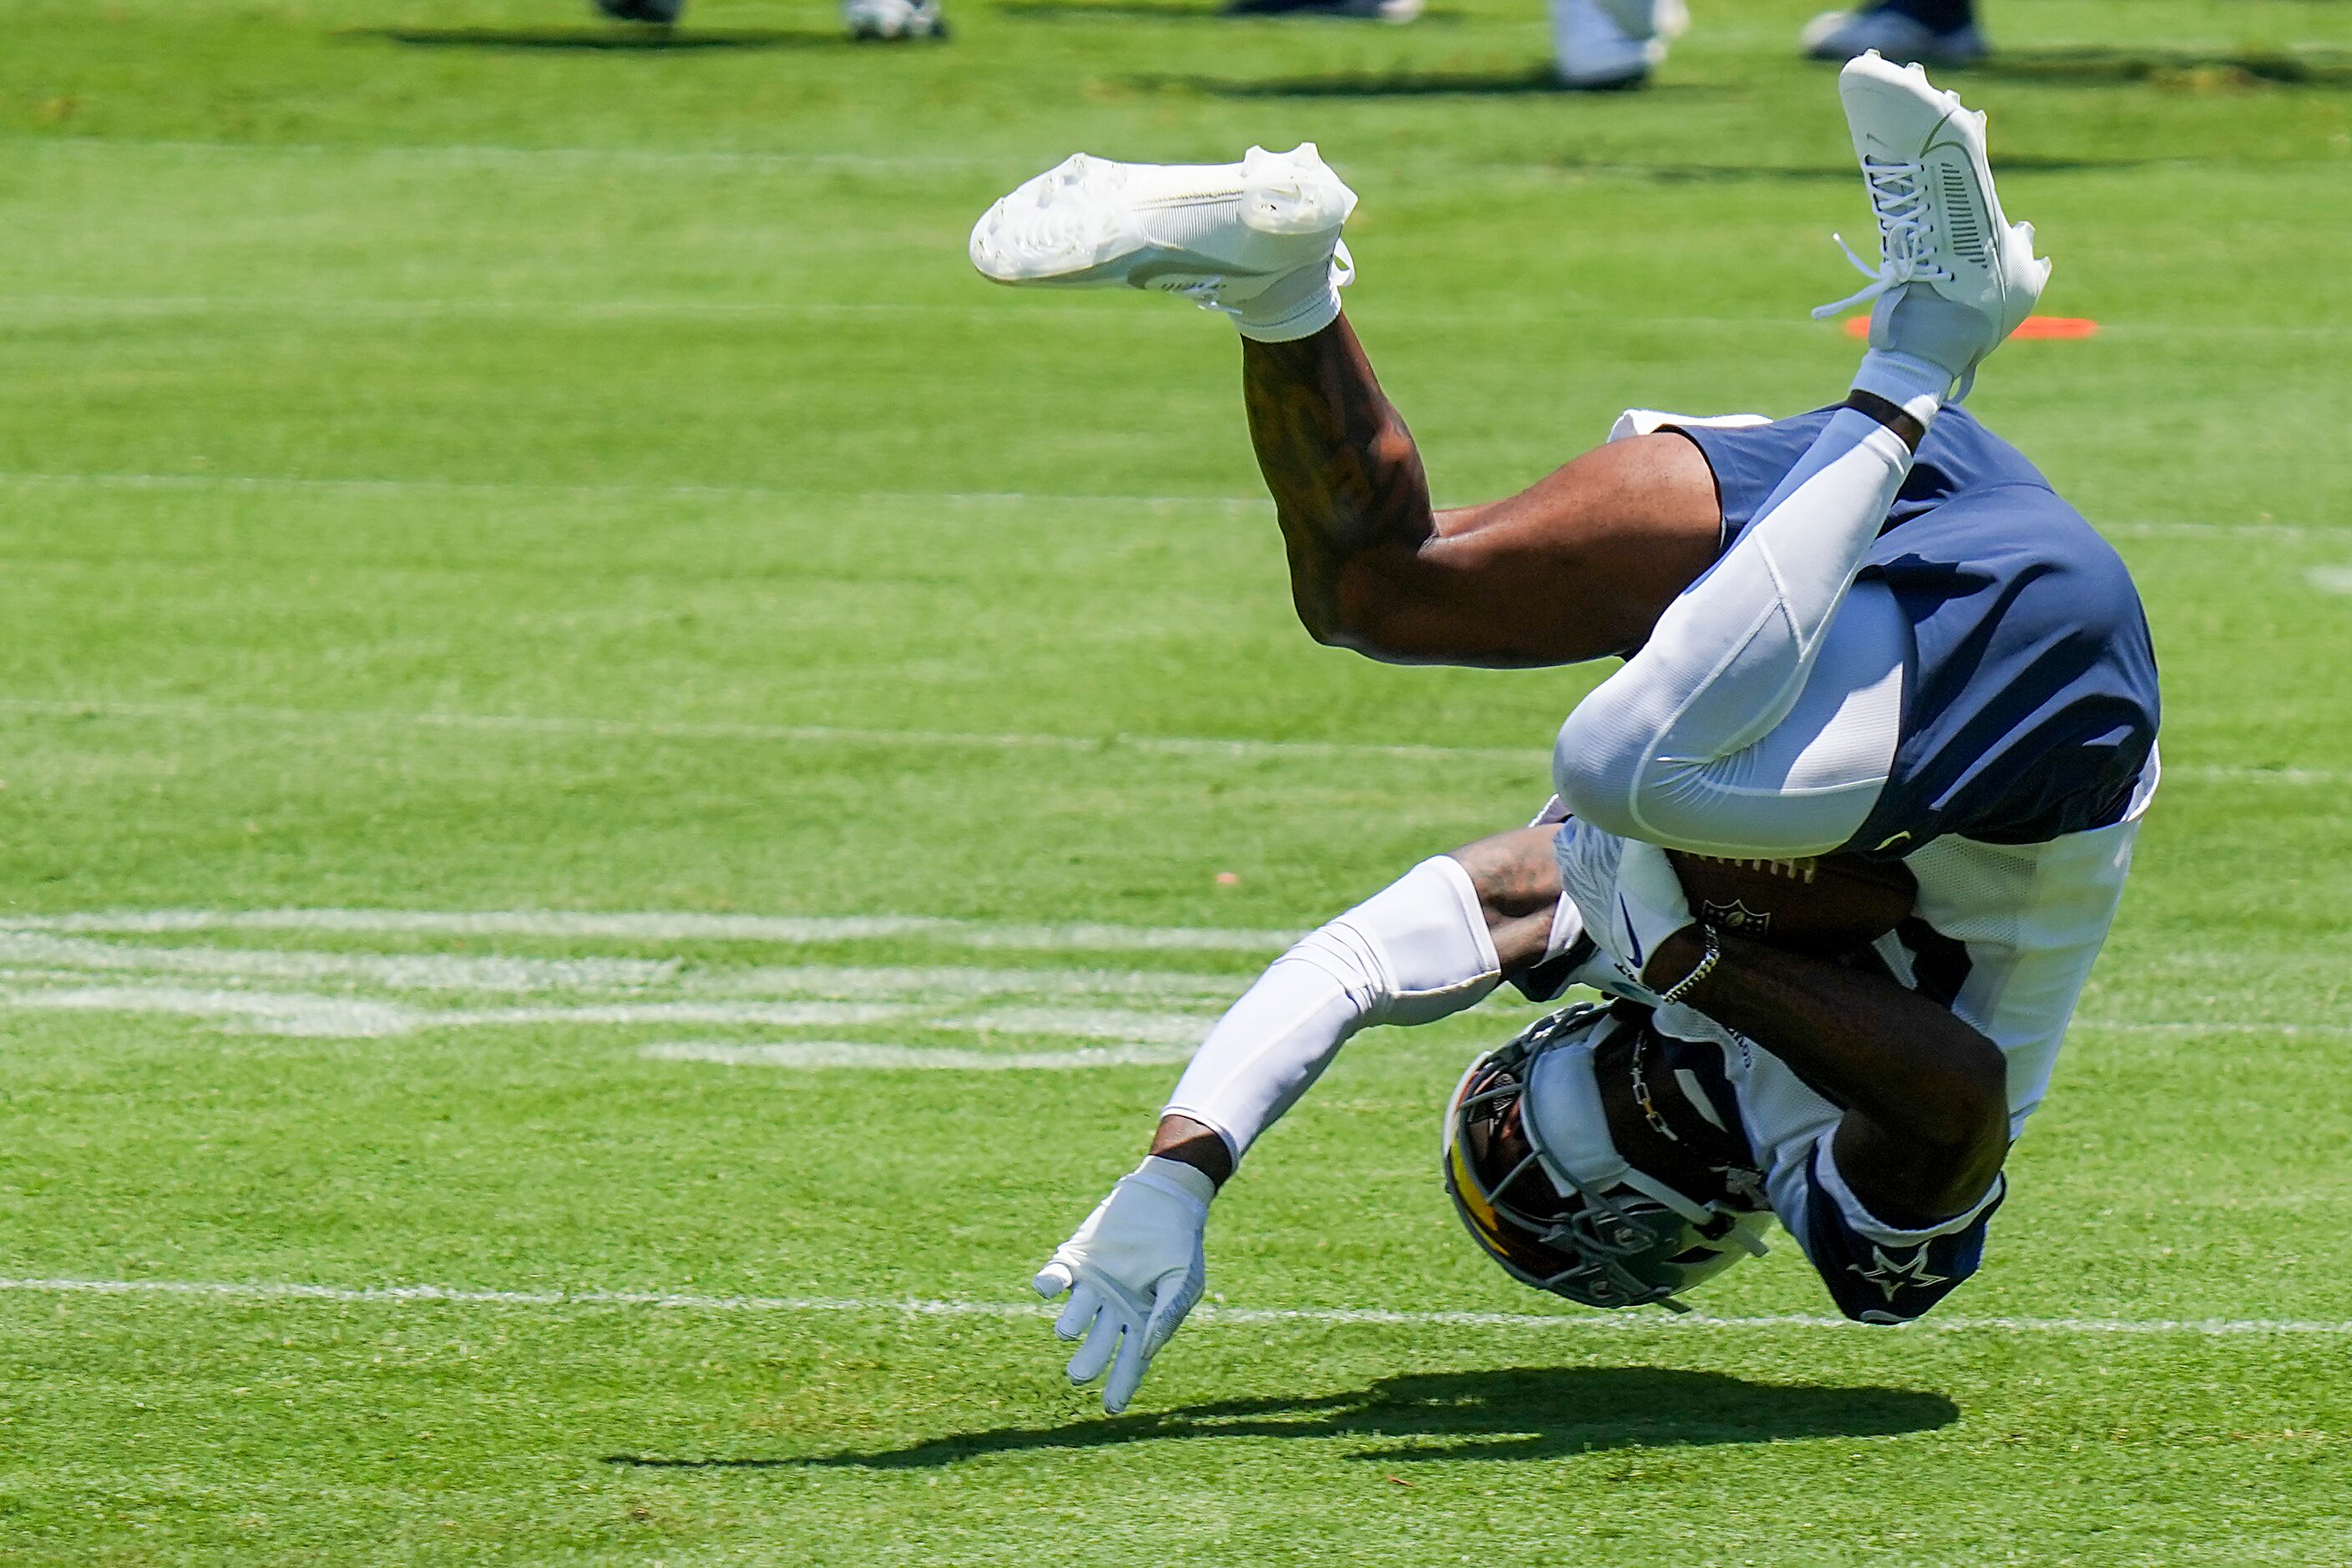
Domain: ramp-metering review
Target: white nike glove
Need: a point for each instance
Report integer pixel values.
(1133, 1270)
(1626, 889)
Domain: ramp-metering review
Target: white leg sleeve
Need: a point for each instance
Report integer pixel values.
(1415, 952)
(1762, 715)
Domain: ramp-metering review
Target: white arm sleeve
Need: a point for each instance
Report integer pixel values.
(1415, 952)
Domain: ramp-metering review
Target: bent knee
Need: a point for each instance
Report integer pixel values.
(1600, 770)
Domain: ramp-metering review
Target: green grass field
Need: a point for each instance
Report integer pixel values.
(455, 466)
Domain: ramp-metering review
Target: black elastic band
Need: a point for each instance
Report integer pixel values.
(1890, 414)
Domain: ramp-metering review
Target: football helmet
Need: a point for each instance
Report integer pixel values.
(1539, 1182)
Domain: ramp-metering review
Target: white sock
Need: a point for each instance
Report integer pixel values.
(1297, 304)
(1911, 384)
(1415, 952)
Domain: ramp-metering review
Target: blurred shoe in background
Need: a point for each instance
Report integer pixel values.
(1357, 10)
(1601, 44)
(890, 21)
(660, 13)
(1908, 32)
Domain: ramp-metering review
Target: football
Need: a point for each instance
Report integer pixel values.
(1825, 906)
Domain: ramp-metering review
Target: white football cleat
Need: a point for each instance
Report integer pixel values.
(1955, 277)
(1258, 240)
(889, 21)
(1601, 44)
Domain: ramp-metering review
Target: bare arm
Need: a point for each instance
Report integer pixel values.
(1575, 567)
(1926, 1123)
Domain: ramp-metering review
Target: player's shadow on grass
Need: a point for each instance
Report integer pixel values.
(601, 39)
(1524, 1413)
(2181, 71)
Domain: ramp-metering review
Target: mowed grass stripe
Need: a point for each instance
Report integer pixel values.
(1018, 314)
(1250, 1317)
(1238, 748)
(408, 484)
(1364, 155)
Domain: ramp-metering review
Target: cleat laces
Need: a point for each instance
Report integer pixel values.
(1906, 235)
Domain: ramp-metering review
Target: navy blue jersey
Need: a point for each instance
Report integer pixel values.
(2032, 707)
(1875, 1276)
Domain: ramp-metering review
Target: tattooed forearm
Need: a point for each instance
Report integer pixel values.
(1345, 475)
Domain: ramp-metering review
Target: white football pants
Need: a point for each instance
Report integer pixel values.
(1762, 717)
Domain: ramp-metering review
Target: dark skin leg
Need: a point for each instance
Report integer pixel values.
(1577, 566)
(1928, 1125)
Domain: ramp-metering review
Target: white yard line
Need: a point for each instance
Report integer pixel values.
(675, 927)
(818, 1054)
(313, 1015)
(399, 1295)
(1074, 1023)
(297, 1014)
(23, 950)
(885, 982)
(413, 971)
(2331, 579)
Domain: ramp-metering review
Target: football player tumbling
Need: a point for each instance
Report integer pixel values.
(1869, 643)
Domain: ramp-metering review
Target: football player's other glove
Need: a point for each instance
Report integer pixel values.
(1627, 892)
(1133, 1270)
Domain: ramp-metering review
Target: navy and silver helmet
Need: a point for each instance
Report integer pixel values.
(1538, 1179)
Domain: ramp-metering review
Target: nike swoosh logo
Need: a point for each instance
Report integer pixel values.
(1630, 940)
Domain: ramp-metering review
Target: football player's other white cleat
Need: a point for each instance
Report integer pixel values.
(1601, 44)
(1258, 240)
(1899, 36)
(1133, 1270)
(889, 21)
(1955, 277)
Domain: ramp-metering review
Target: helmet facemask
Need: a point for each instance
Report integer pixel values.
(1616, 1236)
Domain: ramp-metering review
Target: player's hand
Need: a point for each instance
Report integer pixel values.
(1133, 1270)
(1626, 890)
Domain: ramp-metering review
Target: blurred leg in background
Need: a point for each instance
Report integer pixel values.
(1599, 45)
(886, 21)
(890, 21)
(1925, 32)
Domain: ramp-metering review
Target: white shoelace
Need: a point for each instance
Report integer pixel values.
(1907, 234)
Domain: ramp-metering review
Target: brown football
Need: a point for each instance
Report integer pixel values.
(1825, 906)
